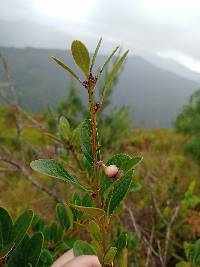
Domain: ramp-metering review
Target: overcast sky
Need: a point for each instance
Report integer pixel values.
(169, 28)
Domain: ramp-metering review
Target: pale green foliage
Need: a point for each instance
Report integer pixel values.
(81, 56)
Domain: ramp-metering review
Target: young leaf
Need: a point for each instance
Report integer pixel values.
(5, 228)
(83, 248)
(64, 129)
(21, 226)
(109, 59)
(112, 75)
(116, 192)
(85, 140)
(110, 255)
(81, 56)
(62, 64)
(95, 54)
(65, 216)
(54, 169)
(95, 213)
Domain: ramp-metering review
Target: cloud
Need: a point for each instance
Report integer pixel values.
(143, 25)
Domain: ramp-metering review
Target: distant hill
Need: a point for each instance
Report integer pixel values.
(154, 95)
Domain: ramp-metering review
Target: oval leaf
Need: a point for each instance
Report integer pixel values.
(81, 56)
(116, 192)
(54, 169)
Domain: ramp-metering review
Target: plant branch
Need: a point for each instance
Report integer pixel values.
(93, 134)
(168, 232)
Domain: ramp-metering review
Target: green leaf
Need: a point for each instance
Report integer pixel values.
(83, 248)
(112, 75)
(109, 59)
(116, 192)
(130, 164)
(95, 54)
(95, 213)
(5, 228)
(21, 226)
(124, 162)
(54, 169)
(62, 64)
(64, 129)
(28, 252)
(110, 255)
(65, 216)
(81, 56)
(85, 140)
(95, 231)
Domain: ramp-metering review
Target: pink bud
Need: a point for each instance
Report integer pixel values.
(111, 171)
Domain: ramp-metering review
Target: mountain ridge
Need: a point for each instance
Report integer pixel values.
(154, 95)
